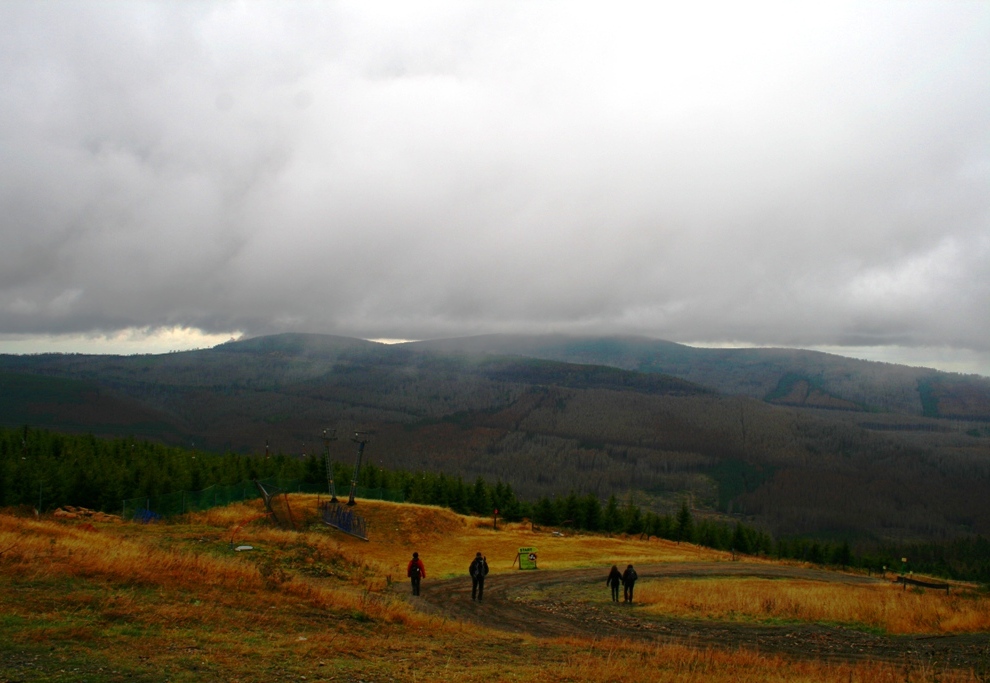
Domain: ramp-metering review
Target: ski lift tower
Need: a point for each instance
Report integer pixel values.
(328, 436)
(360, 438)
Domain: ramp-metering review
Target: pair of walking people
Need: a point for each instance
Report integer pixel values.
(626, 578)
(478, 570)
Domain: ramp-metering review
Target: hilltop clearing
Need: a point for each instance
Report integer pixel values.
(109, 601)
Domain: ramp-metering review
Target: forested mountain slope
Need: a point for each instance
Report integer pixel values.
(782, 376)
(544, 426)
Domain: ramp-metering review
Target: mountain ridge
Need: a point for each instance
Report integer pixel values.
(756, 372)
(805, 457)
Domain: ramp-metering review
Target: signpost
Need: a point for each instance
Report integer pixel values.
(527, 558)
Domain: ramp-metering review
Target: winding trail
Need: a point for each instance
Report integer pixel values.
(513, 602)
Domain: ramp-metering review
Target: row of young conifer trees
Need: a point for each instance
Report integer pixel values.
(47, 469)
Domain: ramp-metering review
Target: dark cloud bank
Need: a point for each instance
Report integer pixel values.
(782, 175)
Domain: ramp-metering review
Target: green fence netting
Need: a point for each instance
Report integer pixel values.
(150, 508)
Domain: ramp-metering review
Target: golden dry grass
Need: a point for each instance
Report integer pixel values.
(173, 602)
(38, 548)
(886, 606)
(447, 542)
(622, 662)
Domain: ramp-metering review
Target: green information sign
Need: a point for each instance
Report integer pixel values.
(527, 558)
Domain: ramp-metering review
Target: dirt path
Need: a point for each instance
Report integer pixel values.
(513, 603)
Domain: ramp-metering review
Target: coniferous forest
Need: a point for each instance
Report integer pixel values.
(45, 470)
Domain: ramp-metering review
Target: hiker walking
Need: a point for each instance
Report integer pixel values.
(478, 570)
(613, 580)
(416, 572)
(628, 581)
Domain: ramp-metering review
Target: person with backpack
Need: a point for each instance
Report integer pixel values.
(478, 570)
(613, 581)
(628, 581)
(416, 571)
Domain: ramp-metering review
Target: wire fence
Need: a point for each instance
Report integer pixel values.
(151, 508)
(345, 519)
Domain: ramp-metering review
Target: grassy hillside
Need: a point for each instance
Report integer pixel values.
(87, 600)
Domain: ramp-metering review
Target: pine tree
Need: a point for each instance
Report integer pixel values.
(591, 512)
(480, 501)
(571, 512)
(685, 524)
(611, 519)
(545, 512)
(740, 540)
(633, 519)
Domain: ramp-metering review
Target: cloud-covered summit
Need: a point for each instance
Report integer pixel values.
(770, 174)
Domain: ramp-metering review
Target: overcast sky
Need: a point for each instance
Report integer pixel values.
(795, 174)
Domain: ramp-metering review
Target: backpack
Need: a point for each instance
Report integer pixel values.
(478, 569)
(414, 570)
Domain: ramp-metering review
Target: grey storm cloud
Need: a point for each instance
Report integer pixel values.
(791, 174)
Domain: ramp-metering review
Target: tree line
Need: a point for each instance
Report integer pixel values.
(47, 469)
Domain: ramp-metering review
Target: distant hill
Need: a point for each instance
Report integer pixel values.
(797, 441)
(782, 376)
(76, 405)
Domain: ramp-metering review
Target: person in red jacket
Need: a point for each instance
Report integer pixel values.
(416, 571)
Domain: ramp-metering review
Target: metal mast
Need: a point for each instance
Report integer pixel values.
(328, 436)
(360, 438)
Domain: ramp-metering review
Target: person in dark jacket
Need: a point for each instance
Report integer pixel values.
(478, 570)
(416, 572)
(628, 581)
(613, 580)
